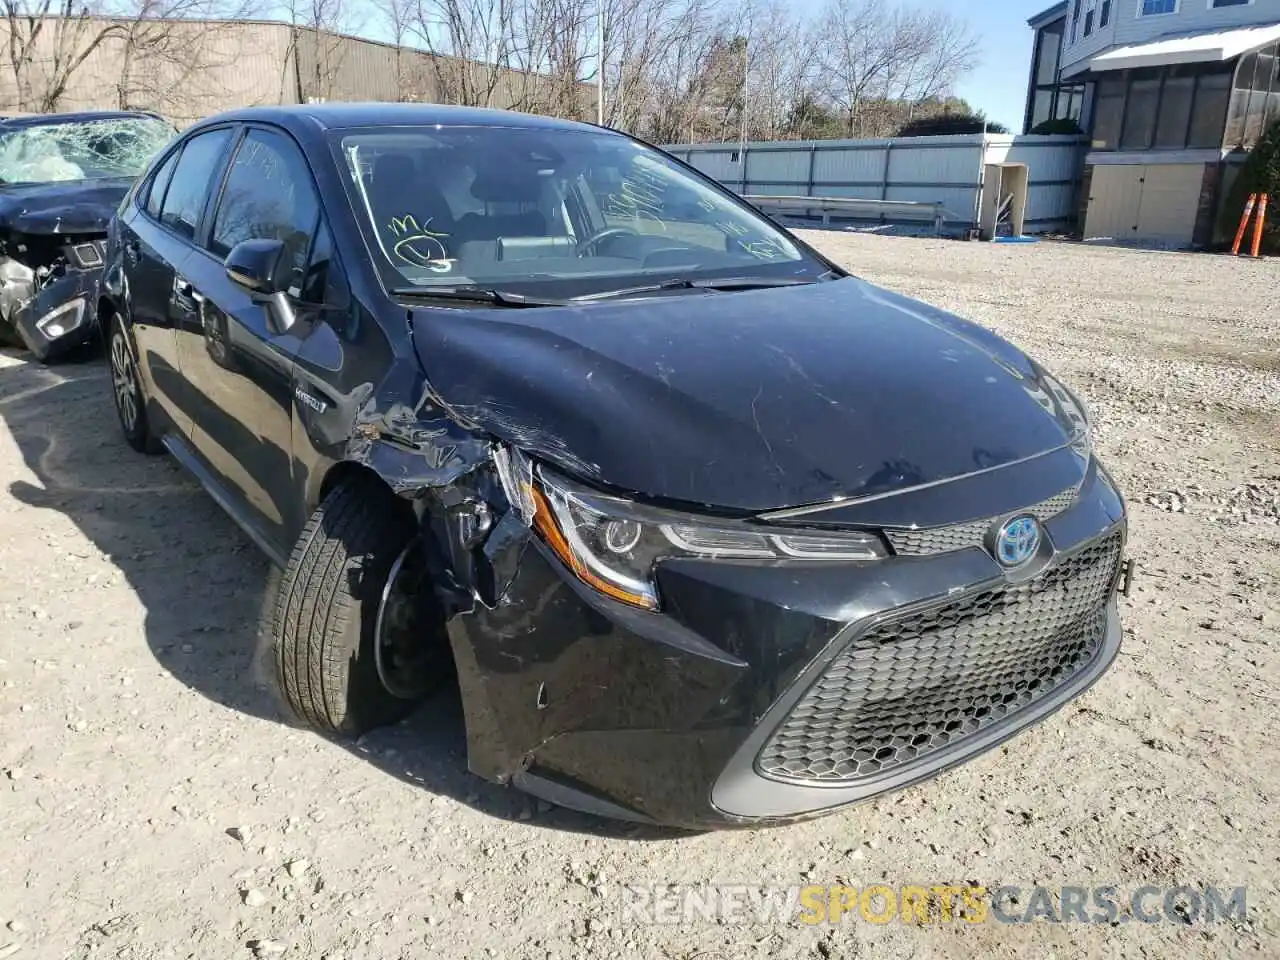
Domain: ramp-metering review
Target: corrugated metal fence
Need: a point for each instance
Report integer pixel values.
(948, 170)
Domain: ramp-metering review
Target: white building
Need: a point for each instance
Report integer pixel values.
(1171, 93)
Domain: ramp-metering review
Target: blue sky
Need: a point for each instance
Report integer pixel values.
(999, 83)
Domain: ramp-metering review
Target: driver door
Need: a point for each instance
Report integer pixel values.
(238, 353)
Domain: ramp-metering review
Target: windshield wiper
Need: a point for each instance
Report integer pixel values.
(493, 297)
(682, 283)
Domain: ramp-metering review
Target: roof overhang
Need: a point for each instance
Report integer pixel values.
(1045, 17)
(1206, 47)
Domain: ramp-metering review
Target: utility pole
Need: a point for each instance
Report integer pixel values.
(600, 62)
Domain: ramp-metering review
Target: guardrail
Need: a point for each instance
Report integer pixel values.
(826, 206)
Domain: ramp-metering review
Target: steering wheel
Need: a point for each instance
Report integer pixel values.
(606, 234)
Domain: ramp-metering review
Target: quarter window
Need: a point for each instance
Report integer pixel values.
(189, 186)
(160, 183)
(268, 196)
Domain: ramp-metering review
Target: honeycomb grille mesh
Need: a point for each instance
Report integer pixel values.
(959, 536)
(920, 684)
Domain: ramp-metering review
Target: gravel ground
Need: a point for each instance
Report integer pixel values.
(153, 804)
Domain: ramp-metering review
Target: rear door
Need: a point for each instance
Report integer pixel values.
(241, 366)
(156, 241)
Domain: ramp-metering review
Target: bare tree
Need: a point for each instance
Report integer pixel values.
(411, 66)
(165, 46)
(470, 42)
(153, 47)
(878, 54)
(48, 42)
(317, 47)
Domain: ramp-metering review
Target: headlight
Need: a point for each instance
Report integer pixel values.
(614, 544)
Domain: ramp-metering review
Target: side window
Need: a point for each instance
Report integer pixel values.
(269, 196)
(160, 183)
(189, 186)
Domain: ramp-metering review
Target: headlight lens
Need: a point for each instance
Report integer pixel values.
(614, 545)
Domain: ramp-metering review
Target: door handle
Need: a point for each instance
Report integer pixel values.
(183, 288)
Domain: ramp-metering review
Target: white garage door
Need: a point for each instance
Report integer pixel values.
(1156, 202)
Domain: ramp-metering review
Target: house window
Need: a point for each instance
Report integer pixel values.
(1153, 8)
(1175, 108)
(1140, 114)
(1044, 74)
(1219, 4)
(1209, 110)
(1108, 112)
(1255, 98)
(1075, 19)
(1090, 12)
(1105, 18)
(1050, 41)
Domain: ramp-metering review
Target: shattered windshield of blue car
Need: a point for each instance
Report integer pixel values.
(81, 150)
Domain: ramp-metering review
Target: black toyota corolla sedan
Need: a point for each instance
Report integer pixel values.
(707, 530)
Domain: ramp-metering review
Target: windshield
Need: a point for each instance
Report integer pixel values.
(549, 212)
(81, 150)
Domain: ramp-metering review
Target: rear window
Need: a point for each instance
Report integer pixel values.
(549, 211)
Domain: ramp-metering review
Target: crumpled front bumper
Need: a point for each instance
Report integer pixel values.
(663, 716)
(48, 335)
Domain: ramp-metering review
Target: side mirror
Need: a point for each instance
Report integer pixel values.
(262, 268)
(259, 266)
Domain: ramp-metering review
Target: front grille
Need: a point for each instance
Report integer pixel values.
(959, 536)
(922, 683)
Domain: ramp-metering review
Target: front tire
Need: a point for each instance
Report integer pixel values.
(127, 391)
(351, 653)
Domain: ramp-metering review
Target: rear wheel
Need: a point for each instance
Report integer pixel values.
(358, 640)
(127, 391)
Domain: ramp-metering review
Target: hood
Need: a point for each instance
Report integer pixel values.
(746, 401)
(72, 206)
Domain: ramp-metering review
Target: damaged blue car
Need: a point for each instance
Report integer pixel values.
(61, 178)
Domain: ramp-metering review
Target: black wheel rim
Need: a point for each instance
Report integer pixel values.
(403, 640)
(124, 383)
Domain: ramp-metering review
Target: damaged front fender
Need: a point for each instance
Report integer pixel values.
(60, 317)
(49, 303)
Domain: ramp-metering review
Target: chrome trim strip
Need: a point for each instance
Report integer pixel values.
(810, 509)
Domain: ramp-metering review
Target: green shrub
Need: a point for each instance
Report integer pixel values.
(1260, 174)
(945, 124)
(1060, 125)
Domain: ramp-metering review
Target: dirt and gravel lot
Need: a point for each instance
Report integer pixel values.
(153, 803)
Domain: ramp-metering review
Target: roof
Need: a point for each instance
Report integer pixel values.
(1203, 47)
(332, 116)
(1048, 16)
(12, 120)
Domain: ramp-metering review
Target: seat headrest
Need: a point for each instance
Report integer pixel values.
(506, 186)
(394, 169)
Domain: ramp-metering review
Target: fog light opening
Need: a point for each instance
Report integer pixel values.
(62, 319)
